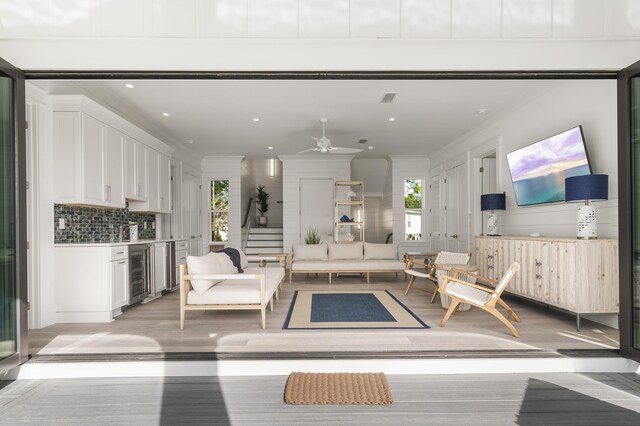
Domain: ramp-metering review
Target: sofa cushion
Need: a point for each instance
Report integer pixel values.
(244, 262)
(348, 265)
(310, 251)
(380, 251)
(240, 292)
(348, 251)
(203, 265)
(226, 264)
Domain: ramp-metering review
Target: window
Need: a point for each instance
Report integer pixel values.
(413, 209)
(219, 210)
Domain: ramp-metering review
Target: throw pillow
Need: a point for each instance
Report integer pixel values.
(226, 264)
(310, 251)
(347, 251)
(203, 265)
(380, 251)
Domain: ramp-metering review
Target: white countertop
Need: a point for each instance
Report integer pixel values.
(123, 243)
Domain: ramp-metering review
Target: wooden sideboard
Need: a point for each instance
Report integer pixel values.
(579, 276)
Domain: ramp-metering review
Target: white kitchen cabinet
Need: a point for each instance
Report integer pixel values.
(88, 158)
(159, 282)
(135, 170)
(158, 179)
(182, 248)
(119, 283)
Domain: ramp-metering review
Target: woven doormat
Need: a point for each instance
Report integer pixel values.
(338, 388)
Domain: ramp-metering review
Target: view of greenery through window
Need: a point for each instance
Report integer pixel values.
(413, 209)
(220, 210)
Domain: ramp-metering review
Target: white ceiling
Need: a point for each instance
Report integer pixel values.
(218, 114)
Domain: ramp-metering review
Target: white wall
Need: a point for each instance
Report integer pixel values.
(248, 189)
(222, 168)
(296, 167)
(407, 167)
(590, 103)
(273, 185)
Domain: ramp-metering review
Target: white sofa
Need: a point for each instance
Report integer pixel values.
(345, 258)
(212, 282)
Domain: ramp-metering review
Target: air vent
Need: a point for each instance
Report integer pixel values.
(363, 141)
(388, 98)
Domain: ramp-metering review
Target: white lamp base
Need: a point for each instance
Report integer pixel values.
(492, 224)
(587, 228)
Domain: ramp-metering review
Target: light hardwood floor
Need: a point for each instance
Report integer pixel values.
(154, 328)
(489, 399)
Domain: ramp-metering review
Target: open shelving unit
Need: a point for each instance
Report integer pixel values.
(350, 205)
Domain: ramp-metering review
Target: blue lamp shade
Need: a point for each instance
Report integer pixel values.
(492, 202)
(587, 187)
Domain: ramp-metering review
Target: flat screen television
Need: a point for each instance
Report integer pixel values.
(538, 170)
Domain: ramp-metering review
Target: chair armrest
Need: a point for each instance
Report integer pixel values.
(455, 271)
(446, 280)
(225, 277)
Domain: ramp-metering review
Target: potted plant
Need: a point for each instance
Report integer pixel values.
(312, 236)
(262, 198)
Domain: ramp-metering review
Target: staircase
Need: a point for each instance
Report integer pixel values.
(264, 240)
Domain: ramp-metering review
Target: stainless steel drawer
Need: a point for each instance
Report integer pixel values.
(182, 245)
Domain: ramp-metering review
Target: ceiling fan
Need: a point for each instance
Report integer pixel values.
(324, 144)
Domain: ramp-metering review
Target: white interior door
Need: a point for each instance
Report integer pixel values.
(488, 184)
(456, 213)
(436, 214)
(316, 207)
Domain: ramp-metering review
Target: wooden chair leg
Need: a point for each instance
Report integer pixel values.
(277, 295)
(512, 313)
(495, 313)
(290, 275)
(263, 311)
(368, 278)
(435, 293)
(182, 317)
(454, 305)
(271, 305)
(329, 277)
(410, 284)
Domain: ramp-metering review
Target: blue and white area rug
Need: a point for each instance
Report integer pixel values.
(376, 309)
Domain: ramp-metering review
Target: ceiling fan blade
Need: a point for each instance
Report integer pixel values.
(341, 150)
(308, 150)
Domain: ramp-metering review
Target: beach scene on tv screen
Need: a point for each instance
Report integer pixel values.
(538, 171)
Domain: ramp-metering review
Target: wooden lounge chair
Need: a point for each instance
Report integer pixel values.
(446, 257)
(480, 296)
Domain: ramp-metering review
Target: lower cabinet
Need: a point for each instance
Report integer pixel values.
(119, 283)
(181, 259)
(580, 276)
(159, 279)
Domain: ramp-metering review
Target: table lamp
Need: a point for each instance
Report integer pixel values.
(492, 202)
(587, 188)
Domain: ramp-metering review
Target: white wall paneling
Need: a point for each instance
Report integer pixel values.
(375, 18)
(526, 18)
(426, 19)
(476, 18)
(222, 168)
(297, 167)
(248, 190)
(273, 18)
(324, 18)
(174, 18)
(578, 19)
(71, 18)
(273, 185)
(122, 18)
(225, 18)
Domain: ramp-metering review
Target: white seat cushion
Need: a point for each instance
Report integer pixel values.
(348, 251)
(203, 265)
(240, 292)
(349, 265)
(310, 251)
(467, 292)
(380, 251)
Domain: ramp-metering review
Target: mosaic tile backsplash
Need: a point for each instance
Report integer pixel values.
(98, 225)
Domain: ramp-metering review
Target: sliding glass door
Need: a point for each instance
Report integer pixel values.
(13, 348)
(629, 202)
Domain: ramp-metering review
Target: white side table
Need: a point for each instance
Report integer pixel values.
(443, 269)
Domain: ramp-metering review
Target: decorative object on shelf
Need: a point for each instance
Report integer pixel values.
(492, 202)
(262, 198)
(345, 218)
(312, 236)
(351, 193)
(587, 188)
(324, 144)
(350, 237)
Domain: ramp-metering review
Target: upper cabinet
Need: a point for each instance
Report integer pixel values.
(135, 172)
(88, 158)
(100, 160)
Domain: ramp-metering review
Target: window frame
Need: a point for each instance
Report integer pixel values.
(212, 211)
(422, 209)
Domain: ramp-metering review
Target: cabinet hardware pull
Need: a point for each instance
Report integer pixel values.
(120, 252)
(538, 263)
(121, 262)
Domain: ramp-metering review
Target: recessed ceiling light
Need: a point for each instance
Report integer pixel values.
(256, 119)
(166, 114)
(270, 147)
(370, 147)
(392, 119)
(189, 141)
(482, 111)
(129, 85)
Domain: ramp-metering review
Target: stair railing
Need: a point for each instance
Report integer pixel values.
(246, 225)
(248, 211)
